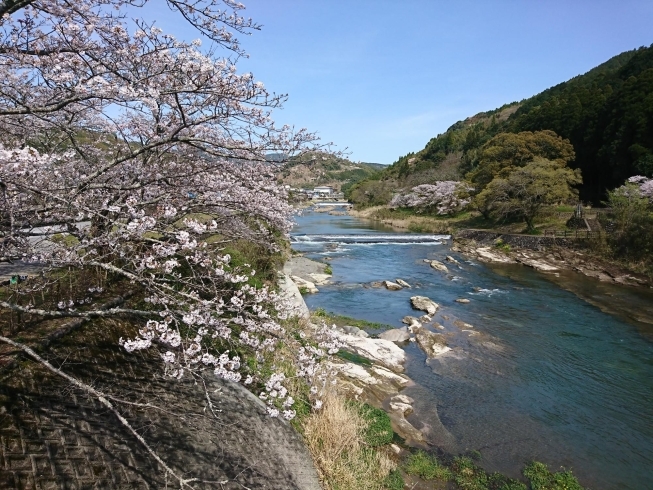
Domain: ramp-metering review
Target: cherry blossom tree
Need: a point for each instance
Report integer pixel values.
(644, 184)
(443, 197)
(145, 155)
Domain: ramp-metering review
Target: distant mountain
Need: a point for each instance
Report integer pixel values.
(607, 114)
(317, 169)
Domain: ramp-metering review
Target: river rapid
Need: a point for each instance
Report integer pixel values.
(557, 369)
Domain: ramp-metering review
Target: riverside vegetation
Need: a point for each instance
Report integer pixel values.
(531, 161)
(148, 156)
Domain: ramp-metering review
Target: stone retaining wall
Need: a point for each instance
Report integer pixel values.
(531, 242)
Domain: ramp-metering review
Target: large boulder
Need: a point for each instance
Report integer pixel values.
(392, 286)
(424, 304)
(320, 279)
(379, 351)
(351, 330)
(290, 292)
(371, 384)
(395, 335)
(438, 266)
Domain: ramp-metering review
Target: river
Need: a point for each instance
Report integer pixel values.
(557, 369)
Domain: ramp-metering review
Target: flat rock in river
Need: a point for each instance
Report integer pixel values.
(320, 279)
(438, 266)
(402, 283)
(392, 286)
(308, 286)
(425, 304)
(380, 351)
(432, 344)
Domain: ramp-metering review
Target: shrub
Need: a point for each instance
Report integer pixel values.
(541, 478)
(426, 467)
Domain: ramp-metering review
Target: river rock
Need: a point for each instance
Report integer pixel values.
(371, 384)
(425, 304)
(403, 408)
(538, 265)
(449, 258)
(355, 331)
(402, 399)
(462, 300)
(411, 320)
(320, 279)
(380, 351)
(462, 325)
(489, 255)
(392, 286)
(404, 428)
(376, 284)
(425, 319)
(290, 292)
(402, 283)
(308, 286)
(395, 335)
(438, 266)
(432, 344)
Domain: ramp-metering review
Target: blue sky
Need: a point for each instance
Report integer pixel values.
(382, 77)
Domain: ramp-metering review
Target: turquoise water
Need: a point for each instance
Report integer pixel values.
(560, 371)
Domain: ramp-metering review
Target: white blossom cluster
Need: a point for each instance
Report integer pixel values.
(148, 155)
(645, 185)
(443, 197)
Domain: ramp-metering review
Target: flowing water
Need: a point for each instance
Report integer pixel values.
(557, 369)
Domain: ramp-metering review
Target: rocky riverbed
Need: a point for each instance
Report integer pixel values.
(548, 259)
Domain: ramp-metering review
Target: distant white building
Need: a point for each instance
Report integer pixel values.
(323, 191)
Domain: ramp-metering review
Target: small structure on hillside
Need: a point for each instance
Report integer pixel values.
(323, 191)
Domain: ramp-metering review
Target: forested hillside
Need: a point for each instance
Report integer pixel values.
(606, 114)
(315, 169)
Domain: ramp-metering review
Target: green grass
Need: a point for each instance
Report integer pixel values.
(328, 270)
(355, 358)
(341, 320)
(379, 430)
(426, 466)
(394, 481)
(541, 478)
(499, 243)
(467, 475)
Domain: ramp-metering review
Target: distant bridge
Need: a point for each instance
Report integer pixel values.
(334, 204)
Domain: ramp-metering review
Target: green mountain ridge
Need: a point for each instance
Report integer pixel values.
(606, 113)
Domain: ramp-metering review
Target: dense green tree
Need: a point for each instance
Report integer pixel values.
(507, 151)
(526, 190)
